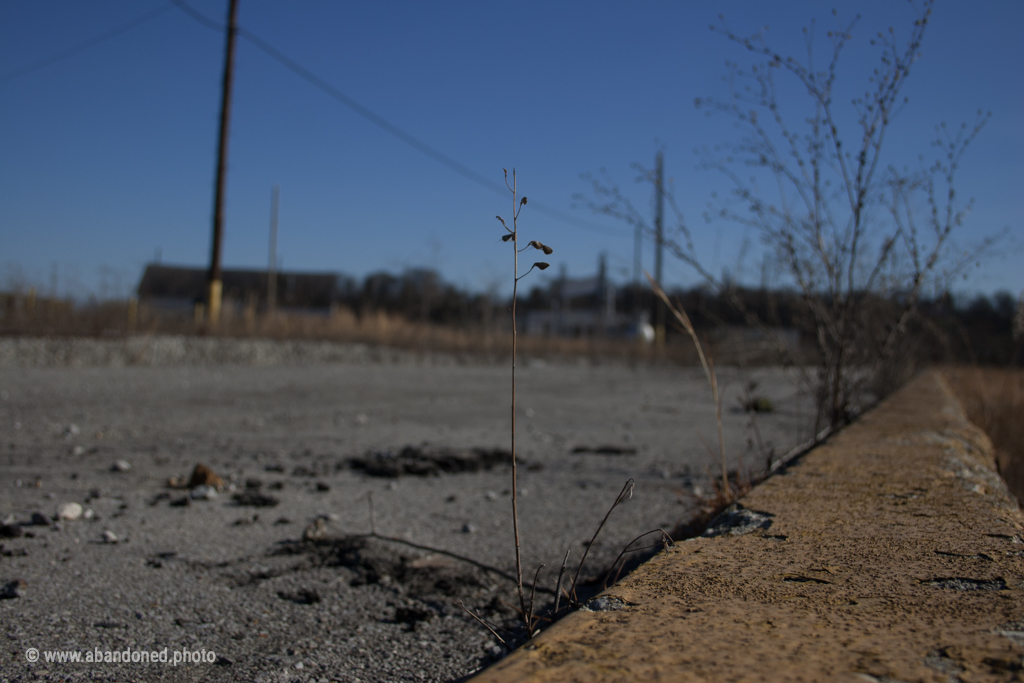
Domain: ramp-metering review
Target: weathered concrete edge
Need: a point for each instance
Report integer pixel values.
(856, 579)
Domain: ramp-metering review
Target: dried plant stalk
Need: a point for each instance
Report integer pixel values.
(709, 371)
(626, 492)
(512, 235)
(484, 624)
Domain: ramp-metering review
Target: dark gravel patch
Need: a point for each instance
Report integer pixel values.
(427, 461)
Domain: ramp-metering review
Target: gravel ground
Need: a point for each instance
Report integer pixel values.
(287, 419)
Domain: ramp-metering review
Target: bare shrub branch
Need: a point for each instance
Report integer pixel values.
(858, 237)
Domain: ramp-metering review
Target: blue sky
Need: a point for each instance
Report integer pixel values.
(107, 156)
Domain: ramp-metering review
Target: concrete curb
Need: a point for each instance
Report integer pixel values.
(892, 553)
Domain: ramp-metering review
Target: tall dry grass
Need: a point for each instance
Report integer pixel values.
(40, 317)
(994, 401)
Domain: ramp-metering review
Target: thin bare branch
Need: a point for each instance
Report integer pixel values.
(533, 594)
(484, 624)
(666, 541)
(626, 492)
(558, 584)
(441, 551)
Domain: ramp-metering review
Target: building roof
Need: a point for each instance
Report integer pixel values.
(300, 290)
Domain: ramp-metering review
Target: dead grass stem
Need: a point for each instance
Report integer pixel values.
(484, 624)
(626, 492)
(666, 541)
(707, 362)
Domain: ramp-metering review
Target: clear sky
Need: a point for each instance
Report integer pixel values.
(107, 155)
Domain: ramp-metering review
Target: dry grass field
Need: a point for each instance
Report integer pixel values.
(994, 401)
(125, 319)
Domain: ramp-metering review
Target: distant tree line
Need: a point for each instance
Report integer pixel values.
(947, 329)
(419, 294)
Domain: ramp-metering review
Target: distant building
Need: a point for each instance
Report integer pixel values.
(585, 307)
(176, 287)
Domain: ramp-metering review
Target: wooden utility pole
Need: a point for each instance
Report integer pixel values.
(213, 298)
(272, 264)
(659, 243)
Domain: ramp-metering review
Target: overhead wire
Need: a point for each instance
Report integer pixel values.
(85, 45)
(390, 128)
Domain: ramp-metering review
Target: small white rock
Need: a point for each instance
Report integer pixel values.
(316, 530)
(468, 528)
(120, 466)
(69, 511)
(78, 450)
(203, 492)
(109, 536)
(88, 514)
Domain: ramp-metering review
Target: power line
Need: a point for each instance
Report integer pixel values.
(81, 47)
(372, 117)
(390, 128)
(201, 18)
